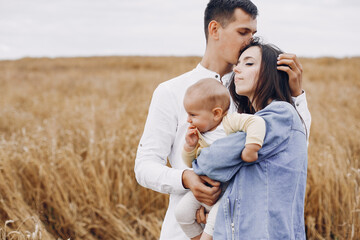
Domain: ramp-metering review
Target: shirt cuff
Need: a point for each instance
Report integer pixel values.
(299, 100)
(177, 180)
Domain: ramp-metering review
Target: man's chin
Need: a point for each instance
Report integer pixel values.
(236, 60)
(233, 62)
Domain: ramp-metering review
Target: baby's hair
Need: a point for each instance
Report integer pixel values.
(210, 93)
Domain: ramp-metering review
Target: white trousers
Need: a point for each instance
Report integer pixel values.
(185, 214)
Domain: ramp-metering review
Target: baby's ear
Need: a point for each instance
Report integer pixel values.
(218, 113)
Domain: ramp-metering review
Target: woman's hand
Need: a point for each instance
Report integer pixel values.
(191, 139)
(202, 192)
(294, 69)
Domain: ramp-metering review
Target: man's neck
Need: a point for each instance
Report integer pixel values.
(214, 63)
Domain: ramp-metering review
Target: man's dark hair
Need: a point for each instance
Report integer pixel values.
(222, 11)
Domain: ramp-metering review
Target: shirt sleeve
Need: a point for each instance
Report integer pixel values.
(156, 143)
(254, 126)
(302, 108)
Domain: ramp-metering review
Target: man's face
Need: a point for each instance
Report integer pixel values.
(236, 35)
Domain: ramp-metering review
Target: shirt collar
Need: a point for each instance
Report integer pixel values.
(225, 79)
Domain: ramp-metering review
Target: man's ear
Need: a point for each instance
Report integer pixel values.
(213, 29)
(218, 113)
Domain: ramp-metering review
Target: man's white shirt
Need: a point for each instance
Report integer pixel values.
(164, 137)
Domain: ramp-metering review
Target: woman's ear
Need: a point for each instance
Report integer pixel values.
(218, 113)
(213, 29)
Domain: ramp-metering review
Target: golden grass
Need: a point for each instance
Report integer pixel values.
(69, 130)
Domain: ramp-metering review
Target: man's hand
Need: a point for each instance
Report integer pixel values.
(202, 192)
(294, 69)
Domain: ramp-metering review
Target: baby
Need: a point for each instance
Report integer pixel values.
(207, 103)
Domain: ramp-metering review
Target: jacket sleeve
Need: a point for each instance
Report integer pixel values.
(221, 161)
(155, 145)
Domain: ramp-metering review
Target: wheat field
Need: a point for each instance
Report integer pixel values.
(69, 129)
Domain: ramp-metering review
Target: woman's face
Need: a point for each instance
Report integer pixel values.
(247, 72)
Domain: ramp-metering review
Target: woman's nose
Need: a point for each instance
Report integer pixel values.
(237, 69)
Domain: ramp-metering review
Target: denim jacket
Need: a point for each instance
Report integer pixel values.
(264, 199)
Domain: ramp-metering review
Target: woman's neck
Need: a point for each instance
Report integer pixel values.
(257, 108)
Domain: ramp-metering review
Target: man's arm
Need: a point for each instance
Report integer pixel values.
(154, 148)
(294, 69)
(302, 108)
(155, 145)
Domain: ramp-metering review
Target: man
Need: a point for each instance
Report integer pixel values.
(229, 25)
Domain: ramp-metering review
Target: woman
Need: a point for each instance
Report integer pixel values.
(265, 198)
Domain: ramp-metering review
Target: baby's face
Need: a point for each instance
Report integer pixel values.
(199, 116)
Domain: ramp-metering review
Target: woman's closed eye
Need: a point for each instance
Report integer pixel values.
(249, 63)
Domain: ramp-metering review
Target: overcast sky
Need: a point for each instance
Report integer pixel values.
(52, 28)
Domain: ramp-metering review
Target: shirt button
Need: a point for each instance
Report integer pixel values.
(216, 76)
(297, 104)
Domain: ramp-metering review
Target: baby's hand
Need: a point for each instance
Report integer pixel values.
(191, 138)
(250, 152)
